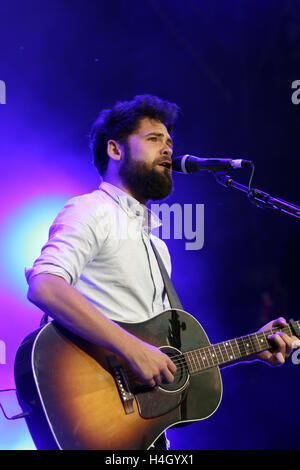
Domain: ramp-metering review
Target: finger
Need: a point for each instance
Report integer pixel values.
(280, 344)
(280, 358)
(171, 366)
(268, 357)
(157, 379)
(295, 342)
(288, 343)
(281, 321)
(151, 382)
(275, 359)
(168, 377)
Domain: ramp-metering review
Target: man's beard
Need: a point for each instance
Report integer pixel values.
(143, 182)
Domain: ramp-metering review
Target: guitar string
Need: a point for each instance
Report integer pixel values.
(223, 346)
(181, 361)
(234, 347)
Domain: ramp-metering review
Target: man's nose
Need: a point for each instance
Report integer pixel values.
(167, 150)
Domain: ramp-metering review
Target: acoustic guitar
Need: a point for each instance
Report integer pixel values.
(77, 395)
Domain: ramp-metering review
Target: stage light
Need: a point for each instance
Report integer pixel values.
(23, 235)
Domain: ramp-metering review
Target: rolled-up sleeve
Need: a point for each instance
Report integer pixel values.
(74, 240)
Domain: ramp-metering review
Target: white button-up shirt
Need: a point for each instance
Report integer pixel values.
(100, 244)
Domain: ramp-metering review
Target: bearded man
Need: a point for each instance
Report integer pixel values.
(98, 266)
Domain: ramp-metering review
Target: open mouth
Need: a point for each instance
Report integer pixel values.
(166, 165)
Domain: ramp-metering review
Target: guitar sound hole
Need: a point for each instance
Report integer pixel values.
(181, 375)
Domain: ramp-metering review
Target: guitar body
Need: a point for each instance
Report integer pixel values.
(70, 387)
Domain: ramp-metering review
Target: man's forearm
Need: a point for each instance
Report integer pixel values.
(54, 296)
(68, 307)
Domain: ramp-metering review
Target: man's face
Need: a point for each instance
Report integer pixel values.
(146, 152)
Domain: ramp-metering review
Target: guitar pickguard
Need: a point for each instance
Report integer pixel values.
(157, 402)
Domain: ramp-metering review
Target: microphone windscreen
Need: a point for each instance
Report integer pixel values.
(177, 164)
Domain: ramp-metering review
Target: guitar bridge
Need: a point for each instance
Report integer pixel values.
(119, 374)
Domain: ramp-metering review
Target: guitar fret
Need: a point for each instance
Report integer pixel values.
(265, 341)
(218, 355)
(238, 349)
(241, 345)
(259, 342)
(208, 358)
(194, 365)
(198, 357)
(214, 356)
(188, 362)
(255, 343)
(225, 350)
(251, 344)
(204, 357)
(232, 356)
(211, 356)
(222, 353)
(262, 342)
(191, 365)
(226, 346)
(247, 345)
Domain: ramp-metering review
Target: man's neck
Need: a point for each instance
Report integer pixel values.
(116, 181)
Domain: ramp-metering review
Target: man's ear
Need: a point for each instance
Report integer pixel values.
(114, 150)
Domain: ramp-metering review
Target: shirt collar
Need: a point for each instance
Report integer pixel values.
(131, 206)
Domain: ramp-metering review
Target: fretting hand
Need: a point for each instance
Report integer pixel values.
(282, 343)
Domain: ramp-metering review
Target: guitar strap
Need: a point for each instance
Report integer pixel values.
(175, 324)
(170, 290)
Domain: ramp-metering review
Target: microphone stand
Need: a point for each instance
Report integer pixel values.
(257, 197)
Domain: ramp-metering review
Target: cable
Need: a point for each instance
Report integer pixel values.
(18, 416)
(251, 177)
(263, 204)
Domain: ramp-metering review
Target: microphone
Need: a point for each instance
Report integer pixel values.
(189, 164)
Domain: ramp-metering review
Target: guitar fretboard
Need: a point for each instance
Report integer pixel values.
(231, 350)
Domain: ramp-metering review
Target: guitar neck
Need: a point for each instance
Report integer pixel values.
(231, 350)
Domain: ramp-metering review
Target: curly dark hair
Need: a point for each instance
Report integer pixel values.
(123, 119)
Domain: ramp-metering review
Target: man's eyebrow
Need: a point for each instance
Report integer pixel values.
(159, 134)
